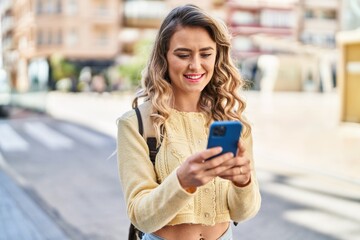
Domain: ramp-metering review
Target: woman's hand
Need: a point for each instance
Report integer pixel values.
(238, 169)
(196, 171)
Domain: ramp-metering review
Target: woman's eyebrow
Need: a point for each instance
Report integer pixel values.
(189, 50)
(182, 50)
(206, 48)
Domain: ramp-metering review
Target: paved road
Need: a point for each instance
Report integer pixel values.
(62, 167)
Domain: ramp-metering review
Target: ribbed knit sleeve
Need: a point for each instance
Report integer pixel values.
(150, 206)
(245, 202)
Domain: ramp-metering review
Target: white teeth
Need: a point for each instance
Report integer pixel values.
(194, 76)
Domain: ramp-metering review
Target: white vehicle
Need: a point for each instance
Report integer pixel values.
(5, 94)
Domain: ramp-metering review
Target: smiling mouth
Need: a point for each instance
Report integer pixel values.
(194, 76)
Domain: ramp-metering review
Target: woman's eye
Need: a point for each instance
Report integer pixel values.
(183, 55)
(205, 55)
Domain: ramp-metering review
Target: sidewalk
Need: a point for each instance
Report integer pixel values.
(296, 130)
(303, 131)
(20, 217)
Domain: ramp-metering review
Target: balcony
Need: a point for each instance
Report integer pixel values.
(7, 24)
(5, 5)
(250, 30)
(144, 14)
(321, 25)
(322, 4)
(104, 16)
(255, 5)
(254, 17)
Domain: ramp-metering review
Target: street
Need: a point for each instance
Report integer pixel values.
(67, 172)
(64, 167)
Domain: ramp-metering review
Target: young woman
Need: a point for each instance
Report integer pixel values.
(190, 81)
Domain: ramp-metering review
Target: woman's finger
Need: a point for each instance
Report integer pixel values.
(206, 154)
(241, 148)
(235, 171)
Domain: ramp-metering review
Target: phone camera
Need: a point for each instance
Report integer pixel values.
(219, 131)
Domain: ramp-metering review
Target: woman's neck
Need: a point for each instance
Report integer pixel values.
(187, 104)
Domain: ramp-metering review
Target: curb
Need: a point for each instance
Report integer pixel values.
(23, 215)
(37, 219)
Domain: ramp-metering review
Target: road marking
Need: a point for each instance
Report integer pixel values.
(47, 136)
(83, 135)
(10, 140)
(347, 209)
(336, 226)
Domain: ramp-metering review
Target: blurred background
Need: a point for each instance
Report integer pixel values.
(70, 68)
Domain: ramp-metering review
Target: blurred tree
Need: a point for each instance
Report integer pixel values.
(61, 68)
(131, 70)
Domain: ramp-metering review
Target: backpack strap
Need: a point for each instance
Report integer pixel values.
(153, 150)
(150, 140)
(140, 123)
(134, 233)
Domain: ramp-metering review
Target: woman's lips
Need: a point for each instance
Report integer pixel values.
(194, 77)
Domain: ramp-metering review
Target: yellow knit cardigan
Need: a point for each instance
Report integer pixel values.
(154, 196)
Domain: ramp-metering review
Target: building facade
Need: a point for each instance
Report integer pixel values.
(309, 22)
(87, 32)
(142, 18)
(99, 32)
(83, 31)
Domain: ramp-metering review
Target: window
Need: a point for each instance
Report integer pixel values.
(58, 6)
(58, 40)
(50, 37)
(48, 6)
(102, 38)
(72, 7)
(72, 37)
(102, 9)
(39, 6)
(40, 37)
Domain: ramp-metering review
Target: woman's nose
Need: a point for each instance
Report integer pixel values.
(195, 64)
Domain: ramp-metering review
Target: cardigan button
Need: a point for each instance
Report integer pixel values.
(207, 215)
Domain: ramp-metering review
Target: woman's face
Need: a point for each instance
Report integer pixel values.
(191, 60)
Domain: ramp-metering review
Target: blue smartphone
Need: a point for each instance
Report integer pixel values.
(225, 134)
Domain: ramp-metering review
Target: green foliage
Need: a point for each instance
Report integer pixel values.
(61, 68)
(131, 70)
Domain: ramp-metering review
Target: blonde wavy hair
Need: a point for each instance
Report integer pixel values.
(220, 99)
